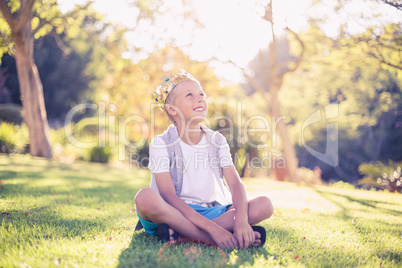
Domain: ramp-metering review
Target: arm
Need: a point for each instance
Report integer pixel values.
(166, 189)
(242, 229)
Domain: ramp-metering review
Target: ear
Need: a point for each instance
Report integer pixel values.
(170, 109)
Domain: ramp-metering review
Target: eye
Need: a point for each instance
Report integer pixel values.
(189, 94)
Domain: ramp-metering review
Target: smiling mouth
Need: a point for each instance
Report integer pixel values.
(200, 109)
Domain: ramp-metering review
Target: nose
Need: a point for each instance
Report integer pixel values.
(200, 98)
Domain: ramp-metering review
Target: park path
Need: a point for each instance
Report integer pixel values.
(286, 195)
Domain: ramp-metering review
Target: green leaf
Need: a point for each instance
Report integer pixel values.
(35, 23)
(57, 21)
(60, 29)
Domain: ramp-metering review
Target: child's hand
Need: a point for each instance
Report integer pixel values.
(224, 238)
(244, 234)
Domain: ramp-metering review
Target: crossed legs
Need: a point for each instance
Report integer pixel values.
(259, 209)
(151, 207)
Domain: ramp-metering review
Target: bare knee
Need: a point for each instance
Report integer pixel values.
(146, 200)
(261, 208)
(267, 208)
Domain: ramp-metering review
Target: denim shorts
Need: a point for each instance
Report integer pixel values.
(209, 213)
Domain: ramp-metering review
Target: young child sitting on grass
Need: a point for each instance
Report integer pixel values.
(188, 196)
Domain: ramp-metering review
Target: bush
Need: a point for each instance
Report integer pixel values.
(382, 176)
(7, 138)
(87, 126)
(11, 113)
(343, 185)
(58, 136)
(309, 177)
(66, 151)
(85, 131)
(13, 139)
(100, 154)
(62, 149)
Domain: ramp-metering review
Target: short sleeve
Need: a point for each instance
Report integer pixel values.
(225, 157)
(158, 156)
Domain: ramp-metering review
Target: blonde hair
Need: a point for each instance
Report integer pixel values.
(170, 100)
(171, 97)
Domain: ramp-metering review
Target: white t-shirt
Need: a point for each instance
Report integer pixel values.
(200, 184)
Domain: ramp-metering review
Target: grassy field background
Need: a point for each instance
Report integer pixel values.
(82, 215)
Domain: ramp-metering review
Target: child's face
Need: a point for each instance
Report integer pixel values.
(190, 101)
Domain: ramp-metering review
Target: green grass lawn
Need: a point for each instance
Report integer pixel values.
(82, 215)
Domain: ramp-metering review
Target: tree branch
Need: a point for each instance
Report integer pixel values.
(42, 23)
(393, 3)
(252, 81)
(382, 59)
(25, 14)
(373, 49)
(60, 43)
(378, 42)
(8, 43)
(78, 8)
(300, 56)
(7, 14)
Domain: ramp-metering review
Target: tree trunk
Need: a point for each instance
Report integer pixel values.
(31, 93)
(274, 110)
(287, 146)
(277, 80)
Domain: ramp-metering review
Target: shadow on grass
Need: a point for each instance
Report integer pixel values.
(74, 183)
(371, 203)
(366, 203)
(46, 223)
(368, 230)
(88, 187)
(284, 248)
(143, 252)
(64, 202)
(287, 246)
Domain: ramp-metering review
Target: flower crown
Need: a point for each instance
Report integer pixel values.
(160, 95)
